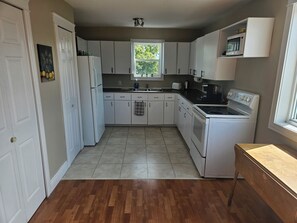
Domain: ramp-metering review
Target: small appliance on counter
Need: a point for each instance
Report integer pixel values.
(186, 85)
(176, 86)
(213, 93)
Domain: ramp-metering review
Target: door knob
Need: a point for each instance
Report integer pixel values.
(13, 139)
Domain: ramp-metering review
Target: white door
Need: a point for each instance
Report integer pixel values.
(69, 93)
(122, 50)
(21, 176)
(170, 57)
(155, 112)
(109, 112)
(123, 112)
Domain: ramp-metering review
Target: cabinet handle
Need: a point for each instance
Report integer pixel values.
(129, 70)
(156, 97)
(185, 115)
(149, 105)
(202, 73)
(139, 97)
(111, 103)
(112, 70)
(179, 108)
(166, 104)
(178, 70)
(122, 96)
(194, 72)
(190, 71)
(13, 139)
(165, 70)
(128, 104)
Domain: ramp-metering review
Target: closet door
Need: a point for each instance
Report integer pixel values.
(21, 175)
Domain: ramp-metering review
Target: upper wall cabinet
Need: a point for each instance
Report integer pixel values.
(214, 67)
(183, 56)
(122, 50)
(82, 45)
(193, 59)
(94, 48)
(257, 36)
(107, 57)
(170, 57)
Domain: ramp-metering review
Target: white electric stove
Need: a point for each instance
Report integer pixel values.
(216, 128)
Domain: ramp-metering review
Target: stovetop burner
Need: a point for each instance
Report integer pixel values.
(219, 110)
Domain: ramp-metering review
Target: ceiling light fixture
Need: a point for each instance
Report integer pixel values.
(138, 22)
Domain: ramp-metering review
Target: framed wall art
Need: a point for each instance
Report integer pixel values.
(46, 65)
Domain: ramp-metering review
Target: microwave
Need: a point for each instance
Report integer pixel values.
(235, 45)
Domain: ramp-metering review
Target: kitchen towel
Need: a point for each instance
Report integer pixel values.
(139, 108)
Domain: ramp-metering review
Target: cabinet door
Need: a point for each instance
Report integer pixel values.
(188, 128)
(82, 45)
(183, 56)
(170, 57)
(180, 124)
(94, 48)
(107, 57)
(155, 112)
(169, 112)
(123, 112)
(139, 120)
(211, 42)
(109, 112)
(192, 65)
(199, 56)
(122, 57)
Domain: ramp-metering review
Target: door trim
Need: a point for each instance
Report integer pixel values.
(60, 22)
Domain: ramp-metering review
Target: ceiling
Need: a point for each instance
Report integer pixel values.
(156, 13)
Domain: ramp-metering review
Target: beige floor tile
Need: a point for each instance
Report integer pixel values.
(154, 141)
(136, 130)
(169, 129)
(80, 171)
(114, 149)
(86, 159)
(153, 129)
(120, 129)
(176, 148)
(111, 158)
(160, 171)
(102, 141)
(181, 158)
(139, 157)
(171, 135)
(153, 134)
(136, 135)
(135, 148)
(158, 158)
(108, 171)
(173, 141)
(118, 135)
(134, 171)
(120, 141)
(187, 171)
(156, 149)
(92, 150)
(137, 141)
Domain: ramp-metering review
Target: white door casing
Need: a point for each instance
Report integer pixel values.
(22, 183)
(70, 94)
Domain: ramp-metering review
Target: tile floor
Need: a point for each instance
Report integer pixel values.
(135, 153)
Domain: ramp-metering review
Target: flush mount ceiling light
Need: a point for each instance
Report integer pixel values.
(138, 22)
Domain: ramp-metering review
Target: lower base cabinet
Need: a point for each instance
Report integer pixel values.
(169, 112)
(109, 112)
(139, 120)
(155, 112)
(122, 112)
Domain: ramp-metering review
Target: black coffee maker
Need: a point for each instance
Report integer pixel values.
(213, 93)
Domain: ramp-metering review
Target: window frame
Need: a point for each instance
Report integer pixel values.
(285, 91)
(161, 60)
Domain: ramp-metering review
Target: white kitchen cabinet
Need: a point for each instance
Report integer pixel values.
(258, 35)
(214, 67)
(199, 56)
(155, 112)
(107, 57)
(169, 112)
(122, 50)
(123, 112)
(94, 48)
(183, 56)
(170, 57)
(109, 112)
(139, 120)
(192, 65)
(82, 45)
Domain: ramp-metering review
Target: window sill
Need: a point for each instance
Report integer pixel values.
(285, 129)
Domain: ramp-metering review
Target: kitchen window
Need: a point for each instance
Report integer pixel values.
(147, 59)
(283, 117)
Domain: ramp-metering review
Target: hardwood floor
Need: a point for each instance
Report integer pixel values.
(152, 201)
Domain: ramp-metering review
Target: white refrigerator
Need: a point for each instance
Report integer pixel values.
(91, 97)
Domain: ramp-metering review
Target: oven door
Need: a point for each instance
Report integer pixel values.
(200, 132)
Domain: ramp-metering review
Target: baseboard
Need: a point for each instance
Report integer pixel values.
(58, 176)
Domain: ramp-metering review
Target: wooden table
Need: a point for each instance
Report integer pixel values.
(271, 170)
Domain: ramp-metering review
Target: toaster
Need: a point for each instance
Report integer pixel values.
(176, 86)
